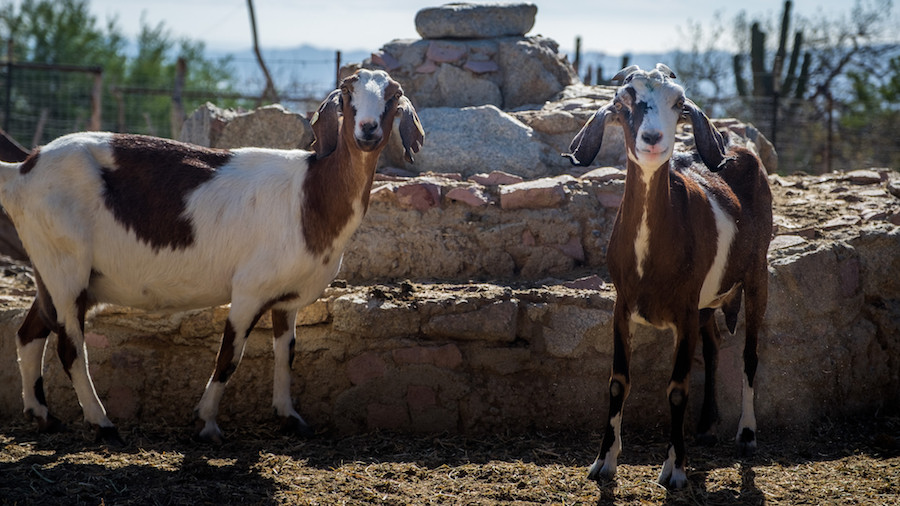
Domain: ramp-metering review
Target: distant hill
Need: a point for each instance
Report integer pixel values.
(308, 71)
(304, 71)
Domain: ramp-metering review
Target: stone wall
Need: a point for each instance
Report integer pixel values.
(510, 353)
(473, 298)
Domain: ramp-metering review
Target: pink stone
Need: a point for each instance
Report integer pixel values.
(420, 397)
(572, 249)
(429, 67)
(609, 199)
(445, 53)
(528, 238)
(496, 177)
(593, 282)
(385, 60)
(481, 67)
(96, 340)
(538, 194)
(364, 368)
(419, 196)
(469, 195)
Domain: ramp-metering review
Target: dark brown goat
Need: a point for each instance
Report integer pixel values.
(689, 238)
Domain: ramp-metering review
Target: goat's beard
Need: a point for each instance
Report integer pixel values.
(368, 144)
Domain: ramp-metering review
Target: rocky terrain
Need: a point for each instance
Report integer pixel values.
(463, 354)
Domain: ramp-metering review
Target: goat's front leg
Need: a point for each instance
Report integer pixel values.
(604, 467)
(284, 328)
(231, 350)
(673, 473)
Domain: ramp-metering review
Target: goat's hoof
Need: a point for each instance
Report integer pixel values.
(208, 432)
(672, 478)
(602, 474)
(291, 425)
(109, 436)
(50, 425)
(746, 442)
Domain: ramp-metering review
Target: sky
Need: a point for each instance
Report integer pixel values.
(612, 27)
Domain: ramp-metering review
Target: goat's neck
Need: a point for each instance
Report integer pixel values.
(646, 192)
(645, 205)
(336, 193)
(348, 170)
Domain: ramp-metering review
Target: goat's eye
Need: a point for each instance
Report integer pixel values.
(618, 105)
(679, 104)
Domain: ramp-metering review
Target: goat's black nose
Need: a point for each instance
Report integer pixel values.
(368, 128)
(651, 137)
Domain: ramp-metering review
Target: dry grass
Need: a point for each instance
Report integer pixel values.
(854, 462)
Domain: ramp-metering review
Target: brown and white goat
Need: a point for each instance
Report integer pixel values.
(161, 225)
(689, 238)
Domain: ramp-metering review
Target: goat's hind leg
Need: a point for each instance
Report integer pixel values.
(284, 329)
(709, 414)
(754, 309)
(74, 357)
(604, 467)
(31, 340)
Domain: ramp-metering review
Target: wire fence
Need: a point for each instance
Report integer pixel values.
(42, 102)
(810, 136)
(39, 103)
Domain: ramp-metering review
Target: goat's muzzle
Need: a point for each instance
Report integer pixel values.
(369, 136)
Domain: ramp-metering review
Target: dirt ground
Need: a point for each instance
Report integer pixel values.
(851, 462)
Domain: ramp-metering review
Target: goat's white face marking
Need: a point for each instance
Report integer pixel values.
(656, 103)
(368, 100)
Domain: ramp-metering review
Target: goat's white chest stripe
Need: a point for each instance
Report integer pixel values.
(642, 244)
(726, 229)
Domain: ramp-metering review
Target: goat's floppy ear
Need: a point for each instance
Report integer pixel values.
(411, 132)
(710, 143)
(586, 144)
(325, 125)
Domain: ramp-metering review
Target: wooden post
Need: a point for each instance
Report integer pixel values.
(337, 69)
(177, 115)
(120, 110)
(96, 102)
(269, 93)
(577, 62)
(9, 84)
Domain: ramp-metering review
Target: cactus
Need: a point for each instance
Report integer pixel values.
(766, 83)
